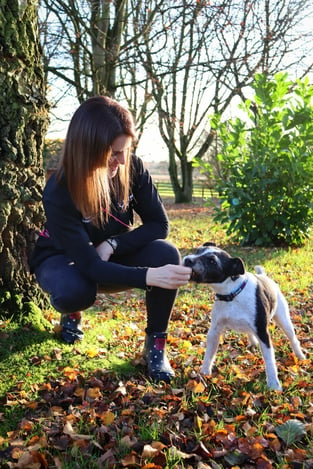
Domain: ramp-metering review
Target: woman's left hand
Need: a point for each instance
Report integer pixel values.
(104, 250)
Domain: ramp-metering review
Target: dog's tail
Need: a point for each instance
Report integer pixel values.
(259, 270)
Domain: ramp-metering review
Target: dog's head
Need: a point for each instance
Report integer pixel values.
(211, 264)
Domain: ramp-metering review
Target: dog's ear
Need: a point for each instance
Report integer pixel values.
(237, 266)
(209, 244)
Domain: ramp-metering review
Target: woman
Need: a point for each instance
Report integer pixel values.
(88, 243)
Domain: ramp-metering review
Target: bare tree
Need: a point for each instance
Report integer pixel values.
(23, 122)
(171, 49)
(88, 50)
(82, 43)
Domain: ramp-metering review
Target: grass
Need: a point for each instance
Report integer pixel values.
(90, 405)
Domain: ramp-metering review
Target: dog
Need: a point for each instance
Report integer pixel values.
(244, 302)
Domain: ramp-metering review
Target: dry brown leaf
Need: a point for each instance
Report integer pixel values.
(107, 417)
(148, 451)
(131, 460)
(195, 386)
(128, 441)
(93, 393)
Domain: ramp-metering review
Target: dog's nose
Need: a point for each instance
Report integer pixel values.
(187, 262)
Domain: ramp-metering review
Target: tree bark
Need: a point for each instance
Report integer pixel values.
(23, 123)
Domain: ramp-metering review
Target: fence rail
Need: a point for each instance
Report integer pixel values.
(199, 189)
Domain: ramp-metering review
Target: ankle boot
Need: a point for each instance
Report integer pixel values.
(159, 367)
(71, 327)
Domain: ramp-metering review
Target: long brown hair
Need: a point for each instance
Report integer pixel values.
(86, 153)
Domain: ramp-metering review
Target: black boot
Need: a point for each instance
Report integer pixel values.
(159, 368)
(71, 331)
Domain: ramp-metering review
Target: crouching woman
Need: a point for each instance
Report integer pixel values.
(90, 244)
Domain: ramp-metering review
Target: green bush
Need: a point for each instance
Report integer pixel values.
(266, 162)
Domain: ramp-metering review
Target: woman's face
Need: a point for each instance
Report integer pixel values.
(120, 149)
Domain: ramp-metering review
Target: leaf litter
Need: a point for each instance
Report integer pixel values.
(113, 420)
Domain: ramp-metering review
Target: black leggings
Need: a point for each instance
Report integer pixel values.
(71, 291)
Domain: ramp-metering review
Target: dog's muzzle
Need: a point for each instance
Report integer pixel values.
(197, 269)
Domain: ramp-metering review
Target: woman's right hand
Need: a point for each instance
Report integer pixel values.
(168, 276)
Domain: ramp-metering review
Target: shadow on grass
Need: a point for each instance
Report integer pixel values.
(29, 361)
(18, 339)
(27, 352)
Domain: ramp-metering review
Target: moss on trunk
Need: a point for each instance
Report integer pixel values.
(23, 124)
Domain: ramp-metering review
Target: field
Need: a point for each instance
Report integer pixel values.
(91, 406)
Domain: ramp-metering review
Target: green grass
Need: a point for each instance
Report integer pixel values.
(99, 385)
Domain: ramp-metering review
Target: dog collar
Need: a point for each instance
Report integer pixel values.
(233, 294)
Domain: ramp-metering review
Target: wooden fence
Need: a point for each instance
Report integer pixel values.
(200, 190)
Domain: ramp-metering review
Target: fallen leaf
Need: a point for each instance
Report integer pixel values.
(107, 417)
(149, 451)
(91, 353)
(291, 431)
(195, 386)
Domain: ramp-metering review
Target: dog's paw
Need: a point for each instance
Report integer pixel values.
(275, 386)
(300, 355)
(205, 371)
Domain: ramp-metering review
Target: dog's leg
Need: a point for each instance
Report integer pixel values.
(252, 340)
(282, 318)
(270, 364)
(212, 343)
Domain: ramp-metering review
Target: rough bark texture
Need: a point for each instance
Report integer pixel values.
(23, 123)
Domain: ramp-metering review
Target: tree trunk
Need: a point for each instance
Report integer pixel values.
(182, 189)
(23, 123)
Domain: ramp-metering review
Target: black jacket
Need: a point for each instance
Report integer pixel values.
(66, 232)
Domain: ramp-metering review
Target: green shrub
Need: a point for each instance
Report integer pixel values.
(266, 162)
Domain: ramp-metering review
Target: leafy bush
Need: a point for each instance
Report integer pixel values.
(267, 164)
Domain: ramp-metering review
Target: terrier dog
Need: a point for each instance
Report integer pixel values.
(244, 302)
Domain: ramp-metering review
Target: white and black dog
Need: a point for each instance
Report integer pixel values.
(244, 302)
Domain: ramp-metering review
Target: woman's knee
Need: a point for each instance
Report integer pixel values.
(165, 253)
(71, 298)
(68, 288)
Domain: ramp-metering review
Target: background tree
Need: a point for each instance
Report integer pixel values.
(171, 50)
(83, 41)
(23, 122)
(89, 51)
(184, 59)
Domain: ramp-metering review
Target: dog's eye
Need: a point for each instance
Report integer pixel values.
(212, 261)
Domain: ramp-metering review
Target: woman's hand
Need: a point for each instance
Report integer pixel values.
(104, 250)
(168, 276)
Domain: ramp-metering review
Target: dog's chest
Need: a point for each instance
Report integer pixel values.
(238, 314)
